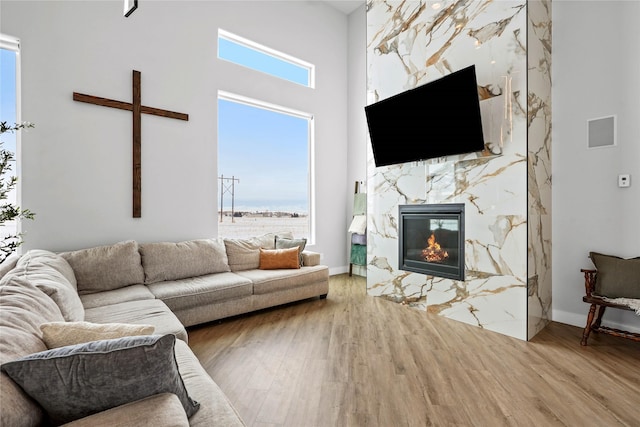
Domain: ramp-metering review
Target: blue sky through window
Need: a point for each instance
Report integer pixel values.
(261, 61)
(269, 152)
(8, 96)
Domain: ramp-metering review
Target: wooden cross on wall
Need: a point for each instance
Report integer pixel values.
(137, 109)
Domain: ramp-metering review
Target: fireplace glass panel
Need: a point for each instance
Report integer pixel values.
(432, 239)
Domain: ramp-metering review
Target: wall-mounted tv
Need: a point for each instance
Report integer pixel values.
(437, 119)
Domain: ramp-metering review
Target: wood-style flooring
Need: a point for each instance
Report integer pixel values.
(357, 360)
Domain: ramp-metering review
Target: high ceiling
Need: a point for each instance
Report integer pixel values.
(345, 6)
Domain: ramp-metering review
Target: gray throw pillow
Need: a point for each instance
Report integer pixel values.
(617, 277)
(75, 381)
(282, 243)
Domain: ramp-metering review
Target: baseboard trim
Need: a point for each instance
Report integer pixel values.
(580, 321)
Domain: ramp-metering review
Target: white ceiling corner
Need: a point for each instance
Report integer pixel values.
(345, 6)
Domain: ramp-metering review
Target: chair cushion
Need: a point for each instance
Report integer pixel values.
(617, 277)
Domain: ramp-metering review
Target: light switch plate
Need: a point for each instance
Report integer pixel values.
(624, 180)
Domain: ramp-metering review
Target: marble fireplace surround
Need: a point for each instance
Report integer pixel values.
(506, 189)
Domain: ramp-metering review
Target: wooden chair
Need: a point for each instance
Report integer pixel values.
(601, 304)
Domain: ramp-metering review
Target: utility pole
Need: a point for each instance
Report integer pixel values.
(227, 185)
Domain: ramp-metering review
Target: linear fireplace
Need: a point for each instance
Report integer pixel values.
(431, 239)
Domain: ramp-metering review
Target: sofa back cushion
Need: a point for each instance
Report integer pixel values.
(8, 264)
(104, 268)
(244, 254)
(53, 275)
(172, 261)
(41, 258)
(23, 308)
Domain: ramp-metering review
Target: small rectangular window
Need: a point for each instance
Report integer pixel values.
(249, 54)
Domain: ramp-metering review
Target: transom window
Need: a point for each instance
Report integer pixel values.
(264, 59)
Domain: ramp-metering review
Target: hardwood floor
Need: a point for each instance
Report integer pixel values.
(356, 360)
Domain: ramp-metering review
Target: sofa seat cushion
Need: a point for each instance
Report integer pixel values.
(159, 410)
(266, 281)
(202, 290)
(215, 407)
(116, 296)
(145, 312)
(103, 268)
(172, 261)
(23, 308)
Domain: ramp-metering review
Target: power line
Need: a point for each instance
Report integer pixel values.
(227, 185)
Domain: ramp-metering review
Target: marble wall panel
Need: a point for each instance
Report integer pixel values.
(539, 165)
(410, 43)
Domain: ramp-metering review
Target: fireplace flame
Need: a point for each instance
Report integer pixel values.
(433, 252)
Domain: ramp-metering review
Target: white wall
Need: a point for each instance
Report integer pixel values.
(76, 163)
(357, 126)
(596, 69)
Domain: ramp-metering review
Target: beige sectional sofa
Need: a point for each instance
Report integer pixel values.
(164, 285)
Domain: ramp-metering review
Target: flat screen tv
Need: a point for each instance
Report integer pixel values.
(437, 119)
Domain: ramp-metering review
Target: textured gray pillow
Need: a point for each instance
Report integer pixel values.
(282, 243)
(103, 268)
(76, 381)
(617, 277)
(172, 261)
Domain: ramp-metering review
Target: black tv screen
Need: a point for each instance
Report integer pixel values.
(437, 119)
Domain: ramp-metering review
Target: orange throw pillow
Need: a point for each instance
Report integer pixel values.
(272, 259)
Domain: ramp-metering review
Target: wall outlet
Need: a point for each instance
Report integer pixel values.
(624, 180)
